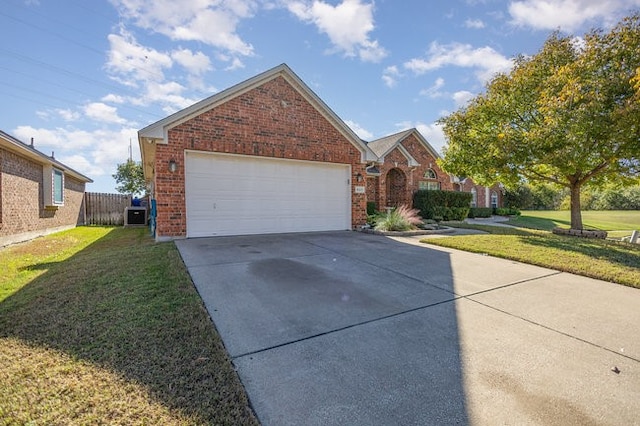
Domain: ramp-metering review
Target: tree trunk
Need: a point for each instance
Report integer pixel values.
(576, 213)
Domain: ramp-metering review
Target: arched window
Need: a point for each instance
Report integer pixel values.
(494, 199)
(431, 181)
(474, 197)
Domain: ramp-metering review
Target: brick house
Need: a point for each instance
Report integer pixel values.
(38, 194)
(269, 156)
(481, 196)
(406, 163)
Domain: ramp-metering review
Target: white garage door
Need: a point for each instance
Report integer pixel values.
(237, 195)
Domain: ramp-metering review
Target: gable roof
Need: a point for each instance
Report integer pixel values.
(158, 131)
(383, 146)
(9, 142)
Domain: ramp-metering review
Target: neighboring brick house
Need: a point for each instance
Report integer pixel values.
(38, 194)
(269, 156)
(481, 196)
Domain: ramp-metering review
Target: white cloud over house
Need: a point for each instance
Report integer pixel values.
(347, 24)
(486, 61)
(568, 15)
(92, 153)
(103, 113)
(207, 21)
(130, 62)
(195, 63)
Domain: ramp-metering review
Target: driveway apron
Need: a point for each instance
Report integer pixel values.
(349, 328)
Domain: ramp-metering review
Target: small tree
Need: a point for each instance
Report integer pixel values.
(130, 178)
(566, 116)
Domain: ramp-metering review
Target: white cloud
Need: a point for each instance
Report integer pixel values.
(168, 94)
(359, 130)
(81, 164)
(213, 22)
(103, 113)
(196, 63)
(485, 60)
(434, 90)
(568, 15)
(113, 98)
(68, 115)
(142, 67)
(347, 25)
(474, 23)
(390, 76)
(92, 153)
(131, 62)
(53, 139)
(462, 98)
(236, 63)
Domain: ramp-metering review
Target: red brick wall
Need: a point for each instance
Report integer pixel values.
(21, 194)
(483, 198)
(396, 159)
(273, 120)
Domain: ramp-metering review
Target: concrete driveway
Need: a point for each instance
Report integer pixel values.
(347, 328)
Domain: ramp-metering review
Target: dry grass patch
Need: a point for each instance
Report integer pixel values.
(104, 326)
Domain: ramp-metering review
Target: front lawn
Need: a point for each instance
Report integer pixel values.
(103, 326)
(601, 259)
(621, 221)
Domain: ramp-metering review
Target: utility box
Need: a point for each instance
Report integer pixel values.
(135, 216)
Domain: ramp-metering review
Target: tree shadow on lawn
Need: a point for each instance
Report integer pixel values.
(612, 251)
(127, 304)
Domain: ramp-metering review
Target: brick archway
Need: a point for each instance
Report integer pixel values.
(396, 188)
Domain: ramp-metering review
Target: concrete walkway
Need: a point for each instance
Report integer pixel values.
(359, 329)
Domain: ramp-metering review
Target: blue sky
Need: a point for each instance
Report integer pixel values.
(82, 77)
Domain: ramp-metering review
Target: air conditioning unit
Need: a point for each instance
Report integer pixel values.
(135, 216)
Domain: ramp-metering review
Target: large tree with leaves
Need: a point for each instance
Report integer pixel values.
(568, 115)
(130, 178)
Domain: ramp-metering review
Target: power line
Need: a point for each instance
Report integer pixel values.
(23, 22)
(52, 83)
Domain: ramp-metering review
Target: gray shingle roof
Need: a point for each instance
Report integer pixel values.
(384, 145)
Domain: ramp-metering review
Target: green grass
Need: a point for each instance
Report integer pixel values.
(104, 326)
(606, 260)
(617, 220)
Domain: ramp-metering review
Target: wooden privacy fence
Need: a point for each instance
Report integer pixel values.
(105, 209)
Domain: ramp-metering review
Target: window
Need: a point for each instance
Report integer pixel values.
(494, 199)
(474, 197)
(58, 187)
(429, 186)
(53, 187)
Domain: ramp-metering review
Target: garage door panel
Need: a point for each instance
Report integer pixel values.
(235, 195)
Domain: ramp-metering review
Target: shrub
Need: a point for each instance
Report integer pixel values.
(450, 213)
(506, 211)
(371, 208)
(400, 219)
(480, 212)
(448, 205)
